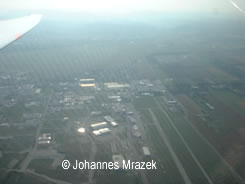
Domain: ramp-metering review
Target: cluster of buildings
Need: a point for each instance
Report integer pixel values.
(87, 82)
(102, 128)
(119, 158)
(111, 121)
(101, 131)
(135, 131)
(44, 139)
(115, 85)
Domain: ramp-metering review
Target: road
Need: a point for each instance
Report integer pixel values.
(211, 146)
(41, 176)
(172, 153)
(30, 155)
(92, 159)
(185, 143)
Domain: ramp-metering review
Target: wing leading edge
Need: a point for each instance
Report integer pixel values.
(11, 30)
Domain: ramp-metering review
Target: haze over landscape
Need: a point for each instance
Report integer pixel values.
(145, 81)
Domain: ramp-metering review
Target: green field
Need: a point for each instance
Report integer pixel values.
(216, 169)
(43, 166)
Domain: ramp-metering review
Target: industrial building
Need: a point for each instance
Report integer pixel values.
(44, 139)
(135, 131)
(88, 85)
(115, 98)
(87, 82)
(81, 130)
(146, 151)
(109, 119)
(115, 85)
(98, 125)
(172, 102)
(101, 131)
(114, 124)
(45, 136)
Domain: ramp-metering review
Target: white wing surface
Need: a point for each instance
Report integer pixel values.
(11, 30)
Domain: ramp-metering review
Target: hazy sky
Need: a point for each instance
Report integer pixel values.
(122, 5)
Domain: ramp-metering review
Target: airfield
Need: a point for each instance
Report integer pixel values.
(97, 98)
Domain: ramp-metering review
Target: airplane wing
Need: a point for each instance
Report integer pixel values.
(239, 5)
(11, 30)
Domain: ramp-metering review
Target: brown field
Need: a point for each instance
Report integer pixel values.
(193, 110)
(192, 106)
